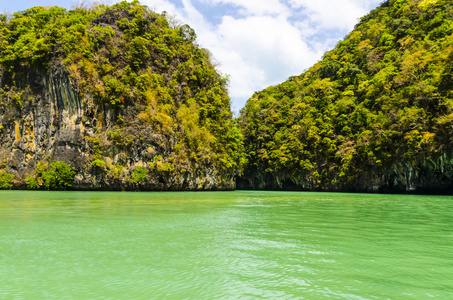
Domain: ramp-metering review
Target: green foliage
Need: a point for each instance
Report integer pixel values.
(140, 68)
(98, 164)
(5, 180)
(118, 139)
(381, 97)
(116, 171)
(54, 176)
(58, 176)
(96, 146)
(35, 181)
(187, 33)
(139, 175)
(120, 120)
(32, 183)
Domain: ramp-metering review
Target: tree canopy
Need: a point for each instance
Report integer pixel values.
(383, 96)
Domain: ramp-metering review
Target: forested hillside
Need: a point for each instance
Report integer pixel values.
(375, 114)
(119, 94)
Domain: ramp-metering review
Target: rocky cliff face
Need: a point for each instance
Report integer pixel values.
(431, 177)
(50, 120)
(130, 105)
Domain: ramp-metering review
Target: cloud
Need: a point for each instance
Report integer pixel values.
(328, 14)
(262, 43)
(162, 5)
(259, 43)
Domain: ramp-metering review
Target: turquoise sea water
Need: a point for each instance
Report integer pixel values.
(225, 245)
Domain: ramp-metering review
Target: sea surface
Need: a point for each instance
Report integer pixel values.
(225, 245)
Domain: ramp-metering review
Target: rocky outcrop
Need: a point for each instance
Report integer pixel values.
(51, 120)
(119, 94)
(375, 114)
(430, 176)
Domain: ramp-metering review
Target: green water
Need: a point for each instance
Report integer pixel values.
(225, 245)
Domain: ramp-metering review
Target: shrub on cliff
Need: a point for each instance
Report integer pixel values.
(5, 180)
(56, 176)
(139, 175)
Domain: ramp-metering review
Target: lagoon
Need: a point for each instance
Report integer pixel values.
(225, 245)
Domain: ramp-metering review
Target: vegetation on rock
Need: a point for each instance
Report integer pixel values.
(54, 176)
(375, 113)
(5, 180)
(115, 86)
(127, 99)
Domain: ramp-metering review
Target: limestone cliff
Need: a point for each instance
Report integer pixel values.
(127, 100)
(375, 114)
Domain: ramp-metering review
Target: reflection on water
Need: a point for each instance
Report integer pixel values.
(224, 245)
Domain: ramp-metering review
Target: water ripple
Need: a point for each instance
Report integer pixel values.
(241, 245)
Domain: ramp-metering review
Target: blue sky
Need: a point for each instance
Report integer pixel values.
(258, 43)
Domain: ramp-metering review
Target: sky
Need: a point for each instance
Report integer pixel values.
(257, 43)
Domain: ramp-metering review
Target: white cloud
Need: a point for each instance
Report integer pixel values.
(162, 5)
(328, 14)
(260, 43)
(264, 42)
